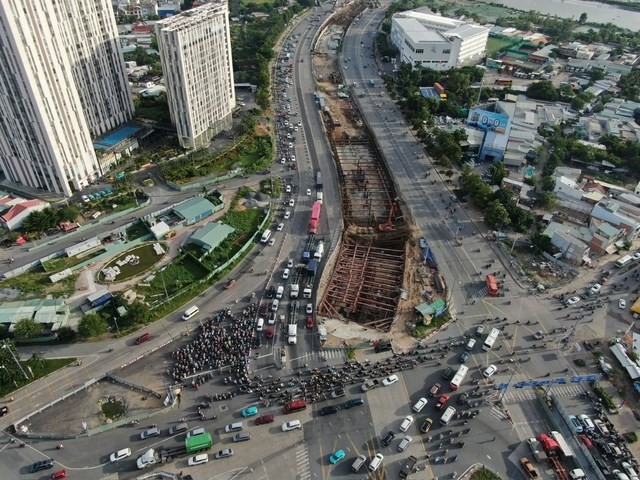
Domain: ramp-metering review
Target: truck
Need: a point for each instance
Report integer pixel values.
(308, 248)
(295, 282)
(370, 385)
(322, 333)
(295, 290)
(315, 217)
(310, 277)
(536, 449)
(195, 444)
(319, 181)
(292, 331)
(528, 467)
(319, 196)
(319, 251)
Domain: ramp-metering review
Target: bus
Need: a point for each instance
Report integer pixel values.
(265, 236)
(621, 262)
(491, 339)
(295, 406)
(458, 377)
(492, 285)
(505, 82)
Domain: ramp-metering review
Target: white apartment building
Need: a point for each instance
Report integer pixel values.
(437, 42)
(62, 84)
(195, 49)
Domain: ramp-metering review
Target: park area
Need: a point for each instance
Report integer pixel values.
(132, 263)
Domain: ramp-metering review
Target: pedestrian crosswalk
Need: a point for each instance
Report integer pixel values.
(328, 353)
(496, 412)
(302, 462)
(514, 395)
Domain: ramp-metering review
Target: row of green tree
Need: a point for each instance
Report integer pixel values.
(546, 90)
(49, 218)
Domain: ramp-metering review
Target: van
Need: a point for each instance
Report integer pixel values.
(357, 463)
(233, 427)
(195, 431)
(179, 428)
(447, 415)
(260, 324)
(479, 330)
(142, 338)
(279, 291)
(190, 312)
(470, 344)
(375, 463)
(242, 437)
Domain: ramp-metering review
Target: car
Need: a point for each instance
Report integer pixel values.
(479, 330)
(59, 474)
(595, 289)
(434, 390)
(309, 309)
(42, 465)
(287, 215)
(575, 424)
(586, 440)
(404, 443)
(4, 410)
(119, 455)
(406, 423)
(200, 459)
(462, 399)
(329, 410)
(633, 475)
(287, 189)
(387, 439)
(290, 263)
(336, 457)
(299, 124)
(426, 425)
(442, 401)
(285, 274)
(618, 475)
(419, 405)
(227, 452)
(354, 402)
(490, 370)
(573, 300)
(292, 425)
(390, 380)
(622, 303)
(264, 419)
(464, 356)
(150, 432)
(448, 373)
(308, 192)
(234, 427)
(272, 242)
(292, 202)
(230, 284)
(250, 411)
(280, 227)
(538, 335)
(338, 392)
(310, 322)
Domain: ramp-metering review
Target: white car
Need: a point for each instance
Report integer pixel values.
(292, 425)
(293, 158)
(595, 289)
(287, 215)
(390, 380)
(292, 202)
(287, 189)
(85, 199)
(198, 459)
(299, 124)
(573, 300)
(636, 256)
(290, 263)
(120, 454)
(285, 274)
(280, 227)
(308, 192)
(630, 470)
(309, 308)
(419, 405)
(272, 242)
(406, 423)
(622, 303)
(490, 370)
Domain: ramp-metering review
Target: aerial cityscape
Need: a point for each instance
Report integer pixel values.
(374, 239)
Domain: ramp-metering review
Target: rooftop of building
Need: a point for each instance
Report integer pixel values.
(431, 28)
(212, 234)
(194, 208)
(193, 16)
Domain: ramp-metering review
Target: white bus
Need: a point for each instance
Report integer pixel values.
(266, 236)
(491, 339)
(458, 378)
(623, 261)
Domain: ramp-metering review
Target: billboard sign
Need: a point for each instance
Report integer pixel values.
(486, 120)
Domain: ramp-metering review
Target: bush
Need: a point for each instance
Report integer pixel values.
(579, 362)
(604, 396)
(92, 325)
(631, 437)
(66, 335)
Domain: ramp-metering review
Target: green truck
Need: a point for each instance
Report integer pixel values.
(194, 444)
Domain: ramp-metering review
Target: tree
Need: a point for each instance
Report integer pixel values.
(548, 200)
(138, 313)
(498, 173)
(543, 90)
(27, 328)
(496, 216)
(583, 18)
(92, 325)
(66, 335)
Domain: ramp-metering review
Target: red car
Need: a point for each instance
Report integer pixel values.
(59, 474)
(230, 284)
(269, 332)
(310, 322)
(264, 419)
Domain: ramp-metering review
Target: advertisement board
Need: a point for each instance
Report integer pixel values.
(486, 120)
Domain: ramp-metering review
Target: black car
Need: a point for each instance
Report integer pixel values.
(270, 292)
(464, 356)
(354, 402)
(388, 438)
(3, 411)
(328, 410)
(42, 465)
(448, 373)
(382, 347)
(462, 399)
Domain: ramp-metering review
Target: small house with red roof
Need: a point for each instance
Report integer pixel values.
(15, 215)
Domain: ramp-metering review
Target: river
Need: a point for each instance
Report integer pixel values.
(596, 12)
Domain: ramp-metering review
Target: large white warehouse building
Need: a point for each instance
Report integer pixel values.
(437, 42)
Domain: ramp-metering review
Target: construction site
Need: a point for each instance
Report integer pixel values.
(379, 276)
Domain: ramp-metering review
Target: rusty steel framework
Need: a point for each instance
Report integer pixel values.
(367, 194)
(366, 284)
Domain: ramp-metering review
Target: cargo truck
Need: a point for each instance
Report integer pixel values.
(195, 444)
(319, 251)
(528, 467)
(292, 331)
(537, 450)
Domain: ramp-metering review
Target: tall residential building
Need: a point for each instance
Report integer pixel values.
(195, 49)
(62, 84)
(437, 42)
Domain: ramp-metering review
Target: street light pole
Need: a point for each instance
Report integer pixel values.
(15, 359)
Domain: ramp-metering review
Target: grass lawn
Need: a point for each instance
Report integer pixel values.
(36, 284)
(40, 368)
(485, 474)
(177, 275)
(495, 45)
(137, 230)
(148, 258)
